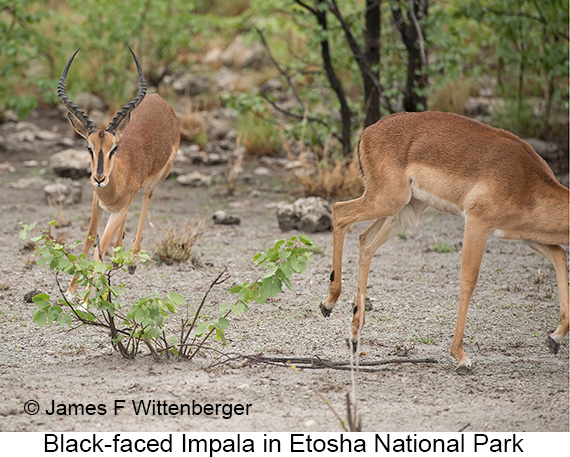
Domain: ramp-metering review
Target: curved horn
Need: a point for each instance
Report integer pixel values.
(77, 112)
(125, 110)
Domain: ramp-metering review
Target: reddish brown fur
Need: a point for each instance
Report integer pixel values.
(146, 148)
(492, 177)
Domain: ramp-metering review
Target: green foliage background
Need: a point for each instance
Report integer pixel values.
(520, 45)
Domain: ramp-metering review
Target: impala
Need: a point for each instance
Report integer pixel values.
(492, 178)
(135, 152)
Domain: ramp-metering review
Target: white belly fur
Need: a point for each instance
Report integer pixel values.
(435, 202)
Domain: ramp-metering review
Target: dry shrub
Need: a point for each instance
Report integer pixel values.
(453, 96)
(340, 179)
(193, 126)
(259, 137)
(174, 242)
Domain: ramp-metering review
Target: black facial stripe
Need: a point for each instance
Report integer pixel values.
(100, 163)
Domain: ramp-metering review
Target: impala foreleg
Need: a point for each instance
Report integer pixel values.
(147, 197)
(121, 233)
(474, 241)
(558, 258)
(96, 214)
(115, 222)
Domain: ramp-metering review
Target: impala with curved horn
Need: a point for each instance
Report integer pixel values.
(135, 152)
(492, 178)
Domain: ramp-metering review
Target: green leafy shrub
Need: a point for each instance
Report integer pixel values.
(145, 321)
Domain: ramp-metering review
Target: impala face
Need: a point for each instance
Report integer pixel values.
(102, 147)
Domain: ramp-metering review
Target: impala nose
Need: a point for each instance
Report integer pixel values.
(99, 180)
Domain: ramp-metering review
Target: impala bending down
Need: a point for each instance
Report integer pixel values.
(135, 152)
(492, 178)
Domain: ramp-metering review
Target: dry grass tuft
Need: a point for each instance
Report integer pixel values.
(193, 126)
(340, 179)
(453, 96)
(259, 137)
(174, 242)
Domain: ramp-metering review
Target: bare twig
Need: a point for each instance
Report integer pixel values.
(337, 415)
(185, 333)
(315, 362)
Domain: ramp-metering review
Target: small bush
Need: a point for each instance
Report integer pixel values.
(174, 243)
(99, 302)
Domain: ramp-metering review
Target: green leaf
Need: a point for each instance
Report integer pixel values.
(286, 269)
(40, 318)
(139, 315)
(201, 328)
(176, 299)
(224, 323)
(306, 240)
(298, 264)
(25, 229)
(258, 296)
(271, 286)
(224, 308)
(42, 300)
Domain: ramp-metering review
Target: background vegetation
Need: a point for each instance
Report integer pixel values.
(342, 64)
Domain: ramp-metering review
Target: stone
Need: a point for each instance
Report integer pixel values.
(262, 171)
(194, 179)
(190, 84)
(89, 102)
(63, 192)
(309, 215)
(71, 163)
(222, 218)
(240, 54)
(543, 148)
(7, 167)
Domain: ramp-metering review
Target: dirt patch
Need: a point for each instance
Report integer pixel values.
(517, 385)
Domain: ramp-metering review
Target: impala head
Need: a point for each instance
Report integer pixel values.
(101, 144)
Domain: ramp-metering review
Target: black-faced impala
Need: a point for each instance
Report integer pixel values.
(492, 178)
(135, 152)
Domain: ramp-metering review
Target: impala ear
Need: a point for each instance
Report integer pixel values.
(123, 123)
(77, 125)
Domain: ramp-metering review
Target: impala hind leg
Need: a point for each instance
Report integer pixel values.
(558, 258)
(474, 241)
(345, 214)
(371, 239)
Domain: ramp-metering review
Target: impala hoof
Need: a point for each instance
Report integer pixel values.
(464, 367)
(325, 311)
(353, 346)
(553, 346)
(131, 269)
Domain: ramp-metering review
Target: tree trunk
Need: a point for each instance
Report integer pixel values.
(372, 56)
(335, 84)
(413, 39)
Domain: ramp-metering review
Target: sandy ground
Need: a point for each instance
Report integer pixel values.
(516, 384)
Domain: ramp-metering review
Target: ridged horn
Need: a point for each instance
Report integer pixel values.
(125, 110)
(72, 107)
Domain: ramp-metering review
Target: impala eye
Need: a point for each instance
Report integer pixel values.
(90, 151)
(113, 150)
